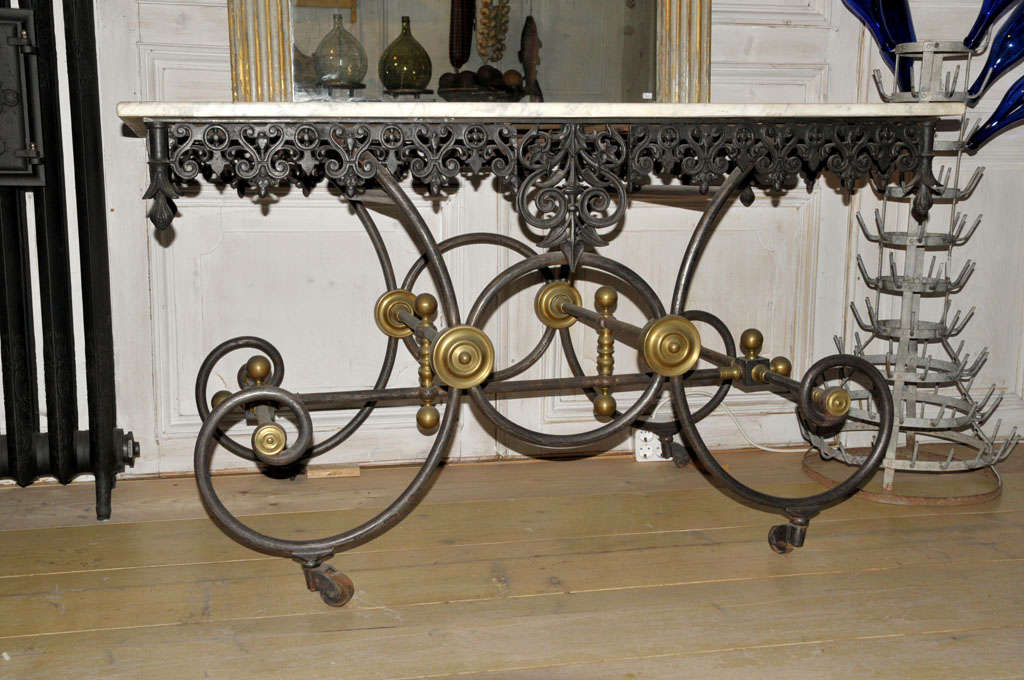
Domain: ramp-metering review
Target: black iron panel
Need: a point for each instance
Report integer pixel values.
(21, 151)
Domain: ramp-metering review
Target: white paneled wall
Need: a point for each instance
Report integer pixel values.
(301, 273)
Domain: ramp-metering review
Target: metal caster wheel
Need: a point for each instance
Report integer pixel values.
(335, 588)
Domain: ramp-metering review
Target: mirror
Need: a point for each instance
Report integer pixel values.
(470, 50)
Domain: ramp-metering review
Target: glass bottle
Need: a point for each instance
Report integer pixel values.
(405, 65)
(900, 25)
(990, 11)
(339, 58)
(1007, 49)
(870, 14)
(1009, 111)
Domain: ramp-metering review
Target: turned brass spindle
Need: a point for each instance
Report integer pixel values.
(606, 300)
(670, 345)
(427, 417)
(460, 356)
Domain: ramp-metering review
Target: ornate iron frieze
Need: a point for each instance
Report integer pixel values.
(778, 154)
(570, 180)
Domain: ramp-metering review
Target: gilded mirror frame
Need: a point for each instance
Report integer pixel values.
(261, 63)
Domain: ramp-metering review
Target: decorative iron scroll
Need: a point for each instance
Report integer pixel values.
(570, 179)
(574, 185)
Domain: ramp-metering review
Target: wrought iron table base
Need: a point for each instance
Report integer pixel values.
(570, 180)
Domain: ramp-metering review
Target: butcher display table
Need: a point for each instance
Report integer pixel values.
(570, 169)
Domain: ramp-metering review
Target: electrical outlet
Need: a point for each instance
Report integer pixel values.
(646, 446)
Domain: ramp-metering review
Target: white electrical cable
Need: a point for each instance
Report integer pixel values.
(735, 420)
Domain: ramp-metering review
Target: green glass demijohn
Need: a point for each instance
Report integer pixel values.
(404, 65)
(339, 58)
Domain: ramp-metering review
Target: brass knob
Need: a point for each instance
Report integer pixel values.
(218, 397)
(463, 356)
(385, 312)
(781, 366)
(269, 439)
(834, 401)
(670, 345)
(604, 406)
(427, 418)
(606, 300)
(549, 301)
(257, 368)
(751, 342)
(425, 305)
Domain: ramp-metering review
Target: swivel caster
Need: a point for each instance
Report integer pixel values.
(784, 538)
(335, 588)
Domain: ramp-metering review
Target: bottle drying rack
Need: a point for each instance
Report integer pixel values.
(931, 379)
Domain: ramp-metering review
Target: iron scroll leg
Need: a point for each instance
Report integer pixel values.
(799, 511)
(335, 588)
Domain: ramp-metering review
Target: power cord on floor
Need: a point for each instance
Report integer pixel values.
(735, 420)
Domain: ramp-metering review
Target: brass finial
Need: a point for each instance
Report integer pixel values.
(269, 439)
(781, 366)
(751, 342)
(549, 302)
(606, 300)
(425, 305)
(218, 397)
(604, 406)
(257, 368)
(670, 345)
(427, 418)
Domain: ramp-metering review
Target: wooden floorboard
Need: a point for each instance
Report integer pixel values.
(586, 569)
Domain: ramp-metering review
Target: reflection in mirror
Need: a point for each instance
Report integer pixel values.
(478, 50)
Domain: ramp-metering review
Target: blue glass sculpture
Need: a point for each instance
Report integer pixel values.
(990, 11)
(1007, 49)
(870, 13)
(896, 16)
(890, 24)
(1009, 111)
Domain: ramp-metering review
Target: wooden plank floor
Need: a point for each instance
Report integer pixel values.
(517, 571)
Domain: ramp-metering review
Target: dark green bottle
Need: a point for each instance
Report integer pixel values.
(404, 65)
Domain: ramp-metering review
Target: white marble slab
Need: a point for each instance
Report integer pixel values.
(134, 114)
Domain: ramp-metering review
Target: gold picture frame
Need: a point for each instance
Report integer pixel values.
(261, 52)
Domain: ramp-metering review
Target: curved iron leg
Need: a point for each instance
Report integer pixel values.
(334, 587)
(799, 511)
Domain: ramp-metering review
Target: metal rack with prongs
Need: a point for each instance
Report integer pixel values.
(931, 380)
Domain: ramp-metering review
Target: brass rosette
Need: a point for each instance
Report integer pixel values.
(670, 345)
(834, 401)
(385, 312)
(463, 356)
(269, 439)
(549, 301)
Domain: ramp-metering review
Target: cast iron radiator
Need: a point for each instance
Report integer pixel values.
(31, 163)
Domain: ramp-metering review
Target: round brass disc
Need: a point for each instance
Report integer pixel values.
(836, 402)
(549, 301)
(463, 356)
(671, 345)
(385, 312)
(269, 439)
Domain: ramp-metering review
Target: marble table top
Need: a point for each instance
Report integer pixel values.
(135, 114)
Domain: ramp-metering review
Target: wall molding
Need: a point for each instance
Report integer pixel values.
(157, 60)
(796, 13)
(813, 78)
